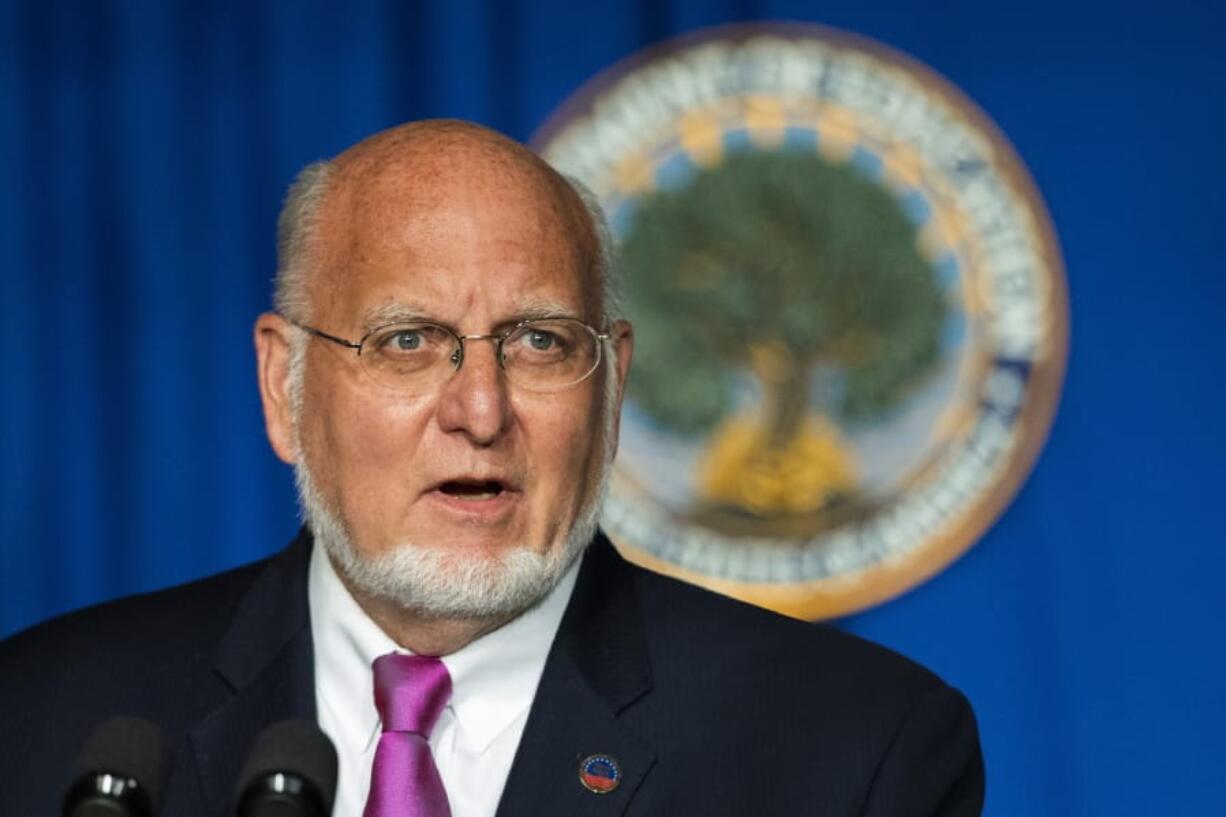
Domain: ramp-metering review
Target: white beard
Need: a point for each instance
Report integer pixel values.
(439, 583)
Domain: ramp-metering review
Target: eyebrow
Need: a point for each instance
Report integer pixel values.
(393, 313)
(535, 306)
(530, 308)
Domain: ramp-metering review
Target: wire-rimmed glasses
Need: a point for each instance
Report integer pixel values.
(539, 354)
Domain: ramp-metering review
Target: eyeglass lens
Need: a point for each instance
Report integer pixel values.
(541, 355)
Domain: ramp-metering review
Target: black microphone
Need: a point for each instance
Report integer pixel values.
(290, 772)
(120, 772)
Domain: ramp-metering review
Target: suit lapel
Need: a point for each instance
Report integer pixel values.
(597, 668)
(266, 661)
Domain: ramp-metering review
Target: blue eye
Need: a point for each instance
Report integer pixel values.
(419, 341)
(407, 340)
(541, 341)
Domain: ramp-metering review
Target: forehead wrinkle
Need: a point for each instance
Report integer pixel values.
(390, 206)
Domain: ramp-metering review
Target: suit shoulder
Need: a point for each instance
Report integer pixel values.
(160, 622)
(721, 631)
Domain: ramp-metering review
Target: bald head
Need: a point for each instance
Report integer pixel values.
(335, 205)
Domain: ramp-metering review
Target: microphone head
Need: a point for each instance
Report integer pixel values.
(290, 770)
(122, 769)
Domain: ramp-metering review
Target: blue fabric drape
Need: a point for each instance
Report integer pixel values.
(145, 148)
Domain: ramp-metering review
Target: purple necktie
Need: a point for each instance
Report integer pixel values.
(410, 693)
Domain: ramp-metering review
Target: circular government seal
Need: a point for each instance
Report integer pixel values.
(849, 309)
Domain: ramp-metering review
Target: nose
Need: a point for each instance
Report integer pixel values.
(474, 399)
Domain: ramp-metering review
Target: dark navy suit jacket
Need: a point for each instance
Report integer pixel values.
(711, 707)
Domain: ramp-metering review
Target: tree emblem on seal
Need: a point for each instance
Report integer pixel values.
(795, 279)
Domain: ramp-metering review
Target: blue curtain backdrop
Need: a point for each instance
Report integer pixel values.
(144, 148)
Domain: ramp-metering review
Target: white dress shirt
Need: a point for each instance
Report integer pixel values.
(493, 680)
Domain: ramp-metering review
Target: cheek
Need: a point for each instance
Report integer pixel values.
(363, 445)
(564, 440)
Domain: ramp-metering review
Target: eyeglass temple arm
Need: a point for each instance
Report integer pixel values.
(319, 333)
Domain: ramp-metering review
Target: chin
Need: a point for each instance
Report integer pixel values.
(449, 583)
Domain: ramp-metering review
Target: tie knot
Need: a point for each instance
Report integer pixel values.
(410, 692)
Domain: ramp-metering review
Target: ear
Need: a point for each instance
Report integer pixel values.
(272, 355)
(623, 345)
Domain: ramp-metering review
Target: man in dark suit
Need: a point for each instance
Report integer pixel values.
(451, 493)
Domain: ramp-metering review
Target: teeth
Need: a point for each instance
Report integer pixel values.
(476, 497)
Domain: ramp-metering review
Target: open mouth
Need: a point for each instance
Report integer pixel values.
(472, 490)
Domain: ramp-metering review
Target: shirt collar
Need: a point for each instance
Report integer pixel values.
(493, 679)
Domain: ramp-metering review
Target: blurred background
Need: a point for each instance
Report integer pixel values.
(145, 149)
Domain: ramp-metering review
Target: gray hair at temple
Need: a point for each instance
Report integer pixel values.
(297, 230)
